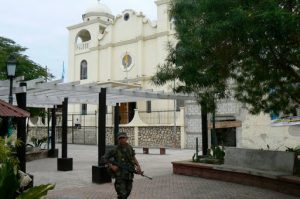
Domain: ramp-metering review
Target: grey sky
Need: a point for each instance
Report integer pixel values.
(40, 25)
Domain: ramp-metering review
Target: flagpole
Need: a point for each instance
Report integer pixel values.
(63, 71)
(46, 78)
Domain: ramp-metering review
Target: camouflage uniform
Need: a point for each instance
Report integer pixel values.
(122, 155)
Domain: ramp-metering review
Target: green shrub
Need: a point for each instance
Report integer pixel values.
(9, 182)
(36, 192)
(38, 142)
(218, 152)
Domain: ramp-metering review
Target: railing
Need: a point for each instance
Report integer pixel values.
(85, 129)
(89, 119)
(153, 117)
(82, 46)
(159, 117)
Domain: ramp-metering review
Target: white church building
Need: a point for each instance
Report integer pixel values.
(127, 48)
(124, 48)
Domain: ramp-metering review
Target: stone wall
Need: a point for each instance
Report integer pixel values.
(130, 133)
(257, 133)
(110, 134)
(154, 136)
(193, 124)
(37, 132)
(159, 136)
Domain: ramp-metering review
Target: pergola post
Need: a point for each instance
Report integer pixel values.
(99, 172)
(64, 163)
(204, 129)
(53, 152)
(116, 122)
(21, 130)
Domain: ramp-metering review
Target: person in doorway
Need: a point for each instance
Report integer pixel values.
(77, 124)
(122, 164)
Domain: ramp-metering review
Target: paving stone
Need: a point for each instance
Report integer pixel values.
(77, 184)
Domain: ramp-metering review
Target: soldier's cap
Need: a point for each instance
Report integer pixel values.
(122, 135)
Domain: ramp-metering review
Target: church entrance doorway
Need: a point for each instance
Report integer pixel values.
(127, 112)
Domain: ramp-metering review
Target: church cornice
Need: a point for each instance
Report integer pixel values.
(99, 14)
(145, 20)
(160, 2)
(137, 14)
(130, 41)
(83, 24)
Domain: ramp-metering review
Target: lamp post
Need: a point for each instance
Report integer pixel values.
(11, 70)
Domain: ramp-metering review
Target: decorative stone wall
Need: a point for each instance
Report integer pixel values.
(86, 135)
(37, 132)
(151, 136)
(159, 136)
(130, 133)
(193, 124)
(140, 134)
(110, 134)
(228, 107)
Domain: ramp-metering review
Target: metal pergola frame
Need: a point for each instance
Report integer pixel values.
(47, 94)
(40, 93)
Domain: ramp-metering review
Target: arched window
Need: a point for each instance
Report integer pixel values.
(83, 40)
(83, 36)
(83, 70)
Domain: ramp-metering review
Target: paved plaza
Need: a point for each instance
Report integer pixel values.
(77, 184)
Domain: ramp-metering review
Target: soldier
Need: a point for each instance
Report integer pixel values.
(122, 165)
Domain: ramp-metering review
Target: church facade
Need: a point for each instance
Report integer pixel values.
(127, 48)
(124, 48)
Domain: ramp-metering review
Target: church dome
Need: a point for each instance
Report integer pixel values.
(98, 8)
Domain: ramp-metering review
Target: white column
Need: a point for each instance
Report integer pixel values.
(136, 136)
(182, 137)
(182, 129)
(140, 64)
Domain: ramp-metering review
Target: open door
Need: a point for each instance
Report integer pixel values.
(127, 112)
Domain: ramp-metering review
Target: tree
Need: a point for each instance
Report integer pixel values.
(26, 67)
(255, 44)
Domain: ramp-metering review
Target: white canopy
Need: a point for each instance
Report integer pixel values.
(47, 94)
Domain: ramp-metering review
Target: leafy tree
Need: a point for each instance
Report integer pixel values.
(248, 49)
(26, 67)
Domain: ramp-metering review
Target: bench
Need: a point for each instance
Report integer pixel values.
(162, 150)
(269, 164)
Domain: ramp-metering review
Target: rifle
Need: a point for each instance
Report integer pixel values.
(128, 168)
(142, 174)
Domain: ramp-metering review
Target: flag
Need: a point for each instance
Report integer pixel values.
(63, 72)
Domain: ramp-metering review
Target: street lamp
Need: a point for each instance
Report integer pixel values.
(11, 71)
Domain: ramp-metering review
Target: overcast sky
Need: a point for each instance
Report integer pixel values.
(40, 25)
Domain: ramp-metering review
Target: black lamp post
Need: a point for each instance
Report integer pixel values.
(11, 71)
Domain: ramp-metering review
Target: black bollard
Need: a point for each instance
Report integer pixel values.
(99, 172)
(64, 163)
